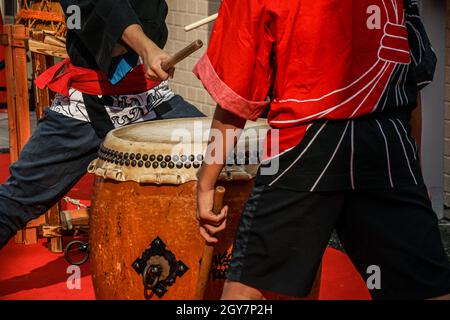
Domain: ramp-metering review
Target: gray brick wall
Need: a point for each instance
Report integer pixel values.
(447, 113)
(182, 13)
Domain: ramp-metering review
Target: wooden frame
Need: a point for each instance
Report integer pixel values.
(17, 88)
(40, 62)
(17, 39)
(17, 98)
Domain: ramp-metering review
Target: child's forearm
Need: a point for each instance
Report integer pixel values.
(136, 39)
(226, 126)
(152, 56)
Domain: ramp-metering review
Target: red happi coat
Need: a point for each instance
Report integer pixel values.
(326, 59)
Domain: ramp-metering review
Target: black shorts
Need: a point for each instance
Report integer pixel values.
(283, 234)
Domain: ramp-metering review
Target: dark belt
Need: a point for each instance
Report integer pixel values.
(162, 109)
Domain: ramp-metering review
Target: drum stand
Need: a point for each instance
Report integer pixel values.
(17, 40)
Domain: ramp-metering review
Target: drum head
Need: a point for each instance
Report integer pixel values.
(172, 151)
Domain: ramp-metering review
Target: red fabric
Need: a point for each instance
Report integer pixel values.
(326, 59)
(64, 75)
(221, 92)
(32, 272)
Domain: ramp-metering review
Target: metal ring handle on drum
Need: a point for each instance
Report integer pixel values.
(154, 273)
(83, 247)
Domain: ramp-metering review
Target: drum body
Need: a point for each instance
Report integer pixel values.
(143, 217)
(127, 217)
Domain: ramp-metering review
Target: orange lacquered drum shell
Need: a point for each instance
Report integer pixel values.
(130, 210)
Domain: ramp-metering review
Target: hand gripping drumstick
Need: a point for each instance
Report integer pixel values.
(181, 55)
(200, 23)
(205, 265)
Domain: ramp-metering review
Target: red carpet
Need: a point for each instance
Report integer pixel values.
(32, 272)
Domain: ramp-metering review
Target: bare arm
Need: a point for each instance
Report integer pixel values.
(152, 55)
(223, 122)
(108, 28)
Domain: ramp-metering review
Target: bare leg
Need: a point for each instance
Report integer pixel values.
(446, 297)
(233, 290)
(238, 291)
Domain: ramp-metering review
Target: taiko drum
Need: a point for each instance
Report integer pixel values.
(144, 237)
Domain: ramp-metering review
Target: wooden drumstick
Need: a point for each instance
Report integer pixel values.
(208, 252)
(181, 55)
(201, 22)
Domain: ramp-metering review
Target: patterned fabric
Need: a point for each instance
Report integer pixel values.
(324, 59)
(123, 109)
(372, 152)
(90, 46)
(344, 85)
